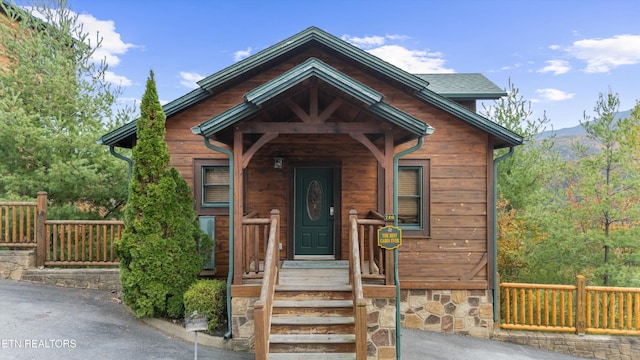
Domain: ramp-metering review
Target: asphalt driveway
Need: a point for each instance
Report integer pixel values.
(45, 322)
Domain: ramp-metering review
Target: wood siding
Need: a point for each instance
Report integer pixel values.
(453, 254)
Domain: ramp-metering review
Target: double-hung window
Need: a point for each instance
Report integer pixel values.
(413, 197)
(211, 186)
(215, 186)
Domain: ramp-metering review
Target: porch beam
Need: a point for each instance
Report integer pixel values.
(309, 128)
(246, 158)
(313, 104)
(388, 201)
(302, 115)
(237, 207)
(369, 145)
(329, 110)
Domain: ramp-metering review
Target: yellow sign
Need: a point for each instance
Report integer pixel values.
(389, 237)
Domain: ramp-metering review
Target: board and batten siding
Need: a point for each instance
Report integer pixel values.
(459, 156)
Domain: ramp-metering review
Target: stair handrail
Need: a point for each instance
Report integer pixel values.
(359, 304)
(264, 305)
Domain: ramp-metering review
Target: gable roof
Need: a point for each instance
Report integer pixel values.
(463, 86)
(254, 99)
(309, 37)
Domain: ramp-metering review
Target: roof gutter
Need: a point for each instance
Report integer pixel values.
(122, 157)
(395, 251)
(496, 285)
(208, 144)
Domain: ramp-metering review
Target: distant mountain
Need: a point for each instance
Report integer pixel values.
(566, 136)
(578, 130)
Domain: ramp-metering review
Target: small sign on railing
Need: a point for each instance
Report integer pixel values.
(389, 237)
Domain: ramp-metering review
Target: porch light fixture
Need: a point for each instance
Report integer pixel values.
(278, 162)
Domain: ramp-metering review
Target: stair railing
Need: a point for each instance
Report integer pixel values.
(264, 305)
(355, 277)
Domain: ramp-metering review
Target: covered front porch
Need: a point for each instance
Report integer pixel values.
(317, 151)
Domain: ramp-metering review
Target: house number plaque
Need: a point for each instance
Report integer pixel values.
(390, 237)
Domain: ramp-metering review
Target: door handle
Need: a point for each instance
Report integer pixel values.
(331, 211)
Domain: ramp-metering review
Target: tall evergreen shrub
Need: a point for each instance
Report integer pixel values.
(159, 246)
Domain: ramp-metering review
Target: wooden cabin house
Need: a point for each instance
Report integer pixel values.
(298, 153)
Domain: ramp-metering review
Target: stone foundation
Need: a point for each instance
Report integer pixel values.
(463, 312)
(13, 263)
(242, 323)
(588, 346)
(381, 328)
(97, 279)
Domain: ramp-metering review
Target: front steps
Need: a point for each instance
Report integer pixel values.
(312, 316)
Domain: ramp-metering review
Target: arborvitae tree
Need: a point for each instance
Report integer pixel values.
(159, 246)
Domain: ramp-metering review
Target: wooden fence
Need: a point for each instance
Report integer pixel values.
(58, 242)
(578, 308)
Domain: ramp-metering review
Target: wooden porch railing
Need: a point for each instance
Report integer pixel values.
(263, 306)
(18, 224)
(82, 242)
(366, 232)
(355, 277)
(571, 308)
(58, 242)
(255, 235)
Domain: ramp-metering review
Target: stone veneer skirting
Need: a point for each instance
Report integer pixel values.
(96, 279)
(14, 262)
(20, 265)
(588, 346)
(463, 312)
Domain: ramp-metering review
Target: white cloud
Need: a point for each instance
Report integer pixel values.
(603, 55)
(101, 32)
(118, 80)
(190, 79)
(554, 47)
(556, 67)
(554, 94)
(365, 42)
(241, 54)
(413, 61)
(111, 45)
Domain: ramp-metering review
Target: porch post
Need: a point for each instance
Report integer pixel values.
(41, 229)
(388, 201)
(237, 209)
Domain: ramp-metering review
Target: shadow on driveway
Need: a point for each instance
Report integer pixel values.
(46, 322)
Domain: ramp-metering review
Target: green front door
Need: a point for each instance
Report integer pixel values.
(313, 229)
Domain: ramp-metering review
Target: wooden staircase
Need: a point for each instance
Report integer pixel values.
(312, 314)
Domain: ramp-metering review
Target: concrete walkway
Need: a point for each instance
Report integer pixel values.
(46, 322)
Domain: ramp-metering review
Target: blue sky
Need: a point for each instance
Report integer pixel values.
(561, 54)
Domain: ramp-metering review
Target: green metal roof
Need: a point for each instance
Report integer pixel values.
(469, 86)
(455, 88)
(312, 68)
(309, 35)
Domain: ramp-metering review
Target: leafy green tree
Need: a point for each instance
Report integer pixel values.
(159, 246)
(534, 163)
(604, 192)
(523, 180)
(54, 104)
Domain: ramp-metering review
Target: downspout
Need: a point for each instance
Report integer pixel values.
(227, 336)
(122, 157)
(395, 251)
(496, 285)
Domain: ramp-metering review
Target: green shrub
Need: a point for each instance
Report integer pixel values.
(207, 296)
